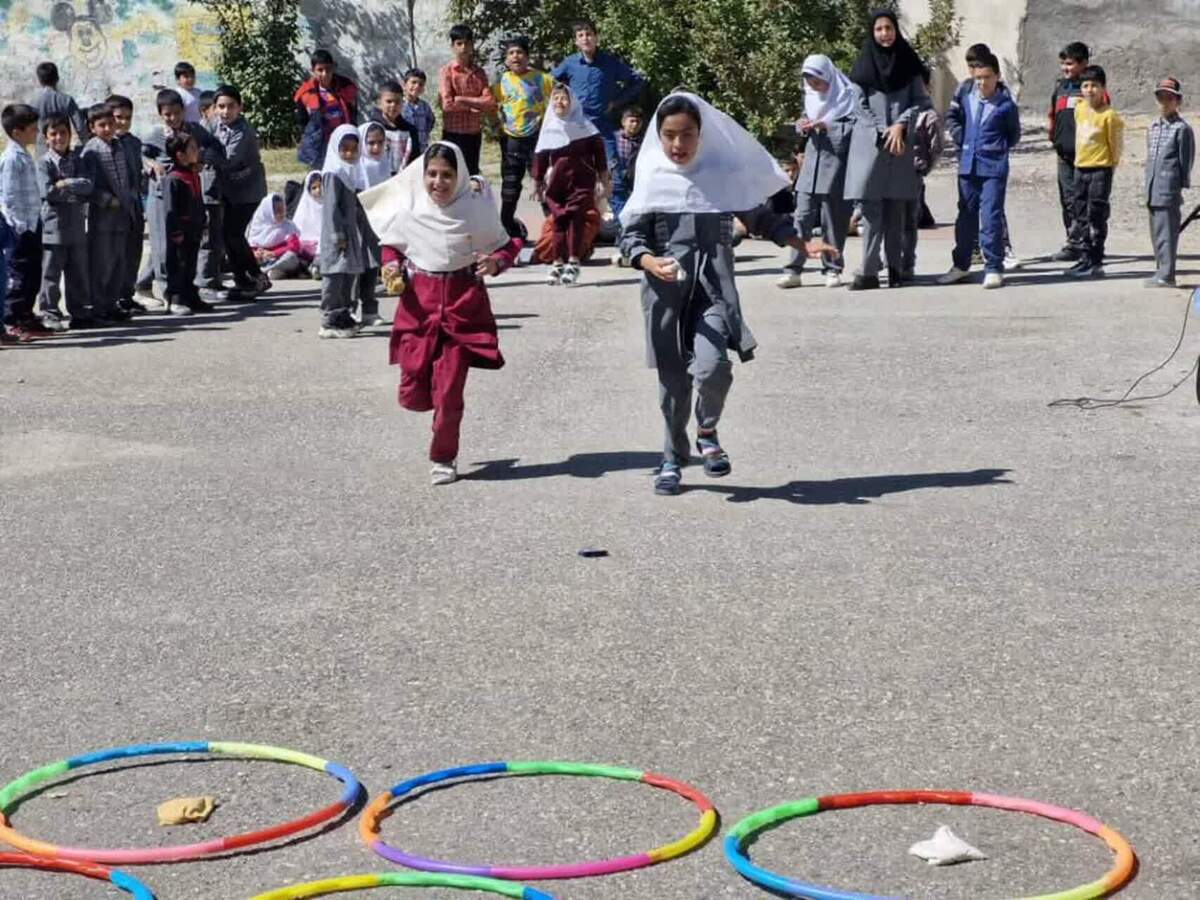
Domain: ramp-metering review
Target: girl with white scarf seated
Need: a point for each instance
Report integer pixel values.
(443, 229)
(696, 169)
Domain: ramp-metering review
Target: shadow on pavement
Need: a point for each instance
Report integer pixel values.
(579, 465)
(855, 490)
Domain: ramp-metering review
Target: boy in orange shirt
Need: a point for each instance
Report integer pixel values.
(466, 96)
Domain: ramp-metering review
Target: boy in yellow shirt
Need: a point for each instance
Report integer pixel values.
(1099, 140)
(522, 94)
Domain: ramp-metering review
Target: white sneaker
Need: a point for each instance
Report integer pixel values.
(554, 276)
(373, 319)
(570, 275)
(954, 276)
(180, 309)
(443, 473)
(790, 280)
(1012, 261)
(832, 280)
(330, 331)
(993, 280)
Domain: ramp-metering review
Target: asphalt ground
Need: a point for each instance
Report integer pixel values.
(917, 576)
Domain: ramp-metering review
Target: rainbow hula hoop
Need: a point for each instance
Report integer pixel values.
(14, 790)
(404, 879)
(369, 823)
(746, 831)
(122, 880)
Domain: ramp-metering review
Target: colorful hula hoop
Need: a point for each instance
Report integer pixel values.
(121, 880)
(22, 786)
(369, 823)
(404, 879)
(745, 832)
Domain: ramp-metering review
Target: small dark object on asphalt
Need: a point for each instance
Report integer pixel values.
(593, 554)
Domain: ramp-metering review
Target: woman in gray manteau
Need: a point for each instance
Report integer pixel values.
(880, 171)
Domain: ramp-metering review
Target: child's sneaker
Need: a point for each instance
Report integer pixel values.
(992, 281)
(716, 460)
(833, 280)
(53, 321)
(790, 280)
(443, 473)
(177, 307)
(370, 320)
(570, 274)
(338, 330)
(668, 478)
(1087, 270)
(555, 275)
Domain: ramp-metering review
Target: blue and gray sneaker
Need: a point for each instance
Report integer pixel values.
(716, 460)
(667, 479)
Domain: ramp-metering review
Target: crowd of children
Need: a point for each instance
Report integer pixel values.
(388, 203)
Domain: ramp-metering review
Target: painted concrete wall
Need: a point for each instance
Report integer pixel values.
(129, 46)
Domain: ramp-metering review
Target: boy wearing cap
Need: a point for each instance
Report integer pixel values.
(1171, 149)
(1099, 142)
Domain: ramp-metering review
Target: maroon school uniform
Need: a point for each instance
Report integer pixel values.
(444, 326)
(570, 174)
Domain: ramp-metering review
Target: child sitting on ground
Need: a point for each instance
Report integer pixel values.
(568, 164)
(308, 218)
(446, 232)
(276, 242)
(349, 252)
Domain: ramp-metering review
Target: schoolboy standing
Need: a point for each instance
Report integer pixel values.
(243, 183)
(602, 82)
(110, 214)
(1099, 141)
(628, 142)
(992, 127)
(51, 101)
(184, 219)
(1171, 150)
(1068, 94)
(323, 102)
(185, 84)
(21, 206)
(521, 96)
(466, 97)
(65, 191)
(416, 111)
(131, 146)
(402, 136)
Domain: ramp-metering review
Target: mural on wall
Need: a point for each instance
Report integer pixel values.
(105, 46)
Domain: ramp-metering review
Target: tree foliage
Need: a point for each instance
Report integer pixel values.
(259, 44)
(742, 55)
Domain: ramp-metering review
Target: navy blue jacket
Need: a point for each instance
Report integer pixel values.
(984, 145)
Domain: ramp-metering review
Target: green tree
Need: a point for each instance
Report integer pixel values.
(259, 44)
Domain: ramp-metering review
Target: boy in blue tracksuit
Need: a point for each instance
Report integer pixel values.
(991, 127)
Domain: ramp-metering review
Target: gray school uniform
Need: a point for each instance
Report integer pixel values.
(1171, 150)
(131, 146)
(691, 324)
(51, 101)
(64, 233)
(820, 193)
(212, 246)
(110, 217)
(882, 182)
(343, 221)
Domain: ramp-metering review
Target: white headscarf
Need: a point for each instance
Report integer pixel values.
(558, 132)
(436, 238)
(263, 230)
(308, 212)
(731, 171)
(375, 171)
(839, 102)
(351, 174)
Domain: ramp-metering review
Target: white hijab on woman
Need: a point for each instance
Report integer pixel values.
(840, 101)
(731, 172)
(308, 211)
(558, 131)
(375, 170)
(263, 230)
(350, 173)
(436, 238)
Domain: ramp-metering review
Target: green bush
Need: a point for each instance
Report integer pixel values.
(259, 44)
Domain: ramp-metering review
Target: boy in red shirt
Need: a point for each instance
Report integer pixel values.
(466, 97)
